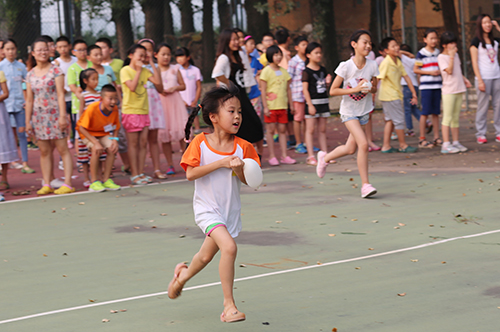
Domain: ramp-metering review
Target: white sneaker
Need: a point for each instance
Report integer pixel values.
(460, 147)
(449, 149)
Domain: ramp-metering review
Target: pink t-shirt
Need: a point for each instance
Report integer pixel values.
(453, 83)
(190, 76)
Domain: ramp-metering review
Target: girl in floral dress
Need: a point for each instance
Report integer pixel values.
(155, 114)
(46, 114)
(173, 105)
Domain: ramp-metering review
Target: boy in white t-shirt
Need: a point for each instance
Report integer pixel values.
(63, 47)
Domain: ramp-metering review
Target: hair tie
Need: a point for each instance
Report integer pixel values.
(200, 106)
(148, 40)
(187, 141)
(248, 37)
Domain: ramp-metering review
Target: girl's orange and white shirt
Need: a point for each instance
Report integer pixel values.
(217, 195)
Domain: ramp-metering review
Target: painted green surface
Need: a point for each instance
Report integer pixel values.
(108, 259)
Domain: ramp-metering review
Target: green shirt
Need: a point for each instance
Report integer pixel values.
(74, 78)
(117, 65)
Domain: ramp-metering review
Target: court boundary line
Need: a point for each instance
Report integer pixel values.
(257, 276)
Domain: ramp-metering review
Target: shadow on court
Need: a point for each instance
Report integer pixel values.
(313, 256)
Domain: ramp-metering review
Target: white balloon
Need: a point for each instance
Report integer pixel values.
(253, 173)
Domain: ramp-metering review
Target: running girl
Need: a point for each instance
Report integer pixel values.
(212, 160)
(315, 80)
(356, 74)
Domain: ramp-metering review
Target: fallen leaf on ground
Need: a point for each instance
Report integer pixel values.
(53, 211)
(182, 235)
(443, 262)
(354, 219)
(334, 329)
(44, 255)
(351, 179)
(401, 224)
(374, 221)
(136, 227)
(105, 320)
(357, 268)
(90, 300)
(123, 310)
(63, 208)
(81, 203)
(431, 225)
(480, 180)
(113, 311)
(153, 226)
(331, 235)
(243, 265)
(401, 294)
(414, 260)
(396, 227)
(333, 216)
(163, 214)
(279, 221)
(370, 249)
(319, 263)
(64, 276)
(297, 212)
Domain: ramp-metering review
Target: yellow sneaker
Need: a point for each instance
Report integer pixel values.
(45, 190)
(65, 189)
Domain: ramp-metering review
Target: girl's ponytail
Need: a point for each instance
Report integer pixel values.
(189, 123)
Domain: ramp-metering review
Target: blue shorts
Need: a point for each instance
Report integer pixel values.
(363, 119)
(431, 101)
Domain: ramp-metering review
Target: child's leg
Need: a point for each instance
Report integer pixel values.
(46, 160)
(62, 148)
(167, 151)
(154, 148)
(108, 165)
(423, 124)
(455, 117)
(388, 128)
(282, 127)
(369, 131)
(310, 126)
(95, 166)
(298, 121)
(182, 144)
(85, 167)
(435, 123)
(408, 107)
(342, 150)
(322, 134)
(133, 151)
(143, 149)
(5, 169)
(270, 127)
(448, 105)
(359, 136)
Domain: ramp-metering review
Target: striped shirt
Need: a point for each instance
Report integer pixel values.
(295, 68)
(90, 98)
(430, 63)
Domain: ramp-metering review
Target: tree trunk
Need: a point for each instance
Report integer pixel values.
(187, 21)
(373, 26)
(77, 7)
(208, 39)
(168, 24)
(120, 13)
(153, 12)
(257, 23)
(324, 30)
(25, 26)
(224, 14)
(67, 20)
(450, 16)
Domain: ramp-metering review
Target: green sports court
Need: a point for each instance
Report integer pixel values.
(422, 255)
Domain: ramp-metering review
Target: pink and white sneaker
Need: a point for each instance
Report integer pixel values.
(288, 160)
(274, 162)
(482, 140)
(321, 166)
(368, 190)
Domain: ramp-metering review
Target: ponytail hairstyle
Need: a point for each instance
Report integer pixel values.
(131, 51)
(183, 51)
(210, 104)
(311, 47)
(85, 75)
(355, 37)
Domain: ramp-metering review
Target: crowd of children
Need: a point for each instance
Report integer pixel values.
(145, 101)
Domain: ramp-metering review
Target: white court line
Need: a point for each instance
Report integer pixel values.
(250, 277)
